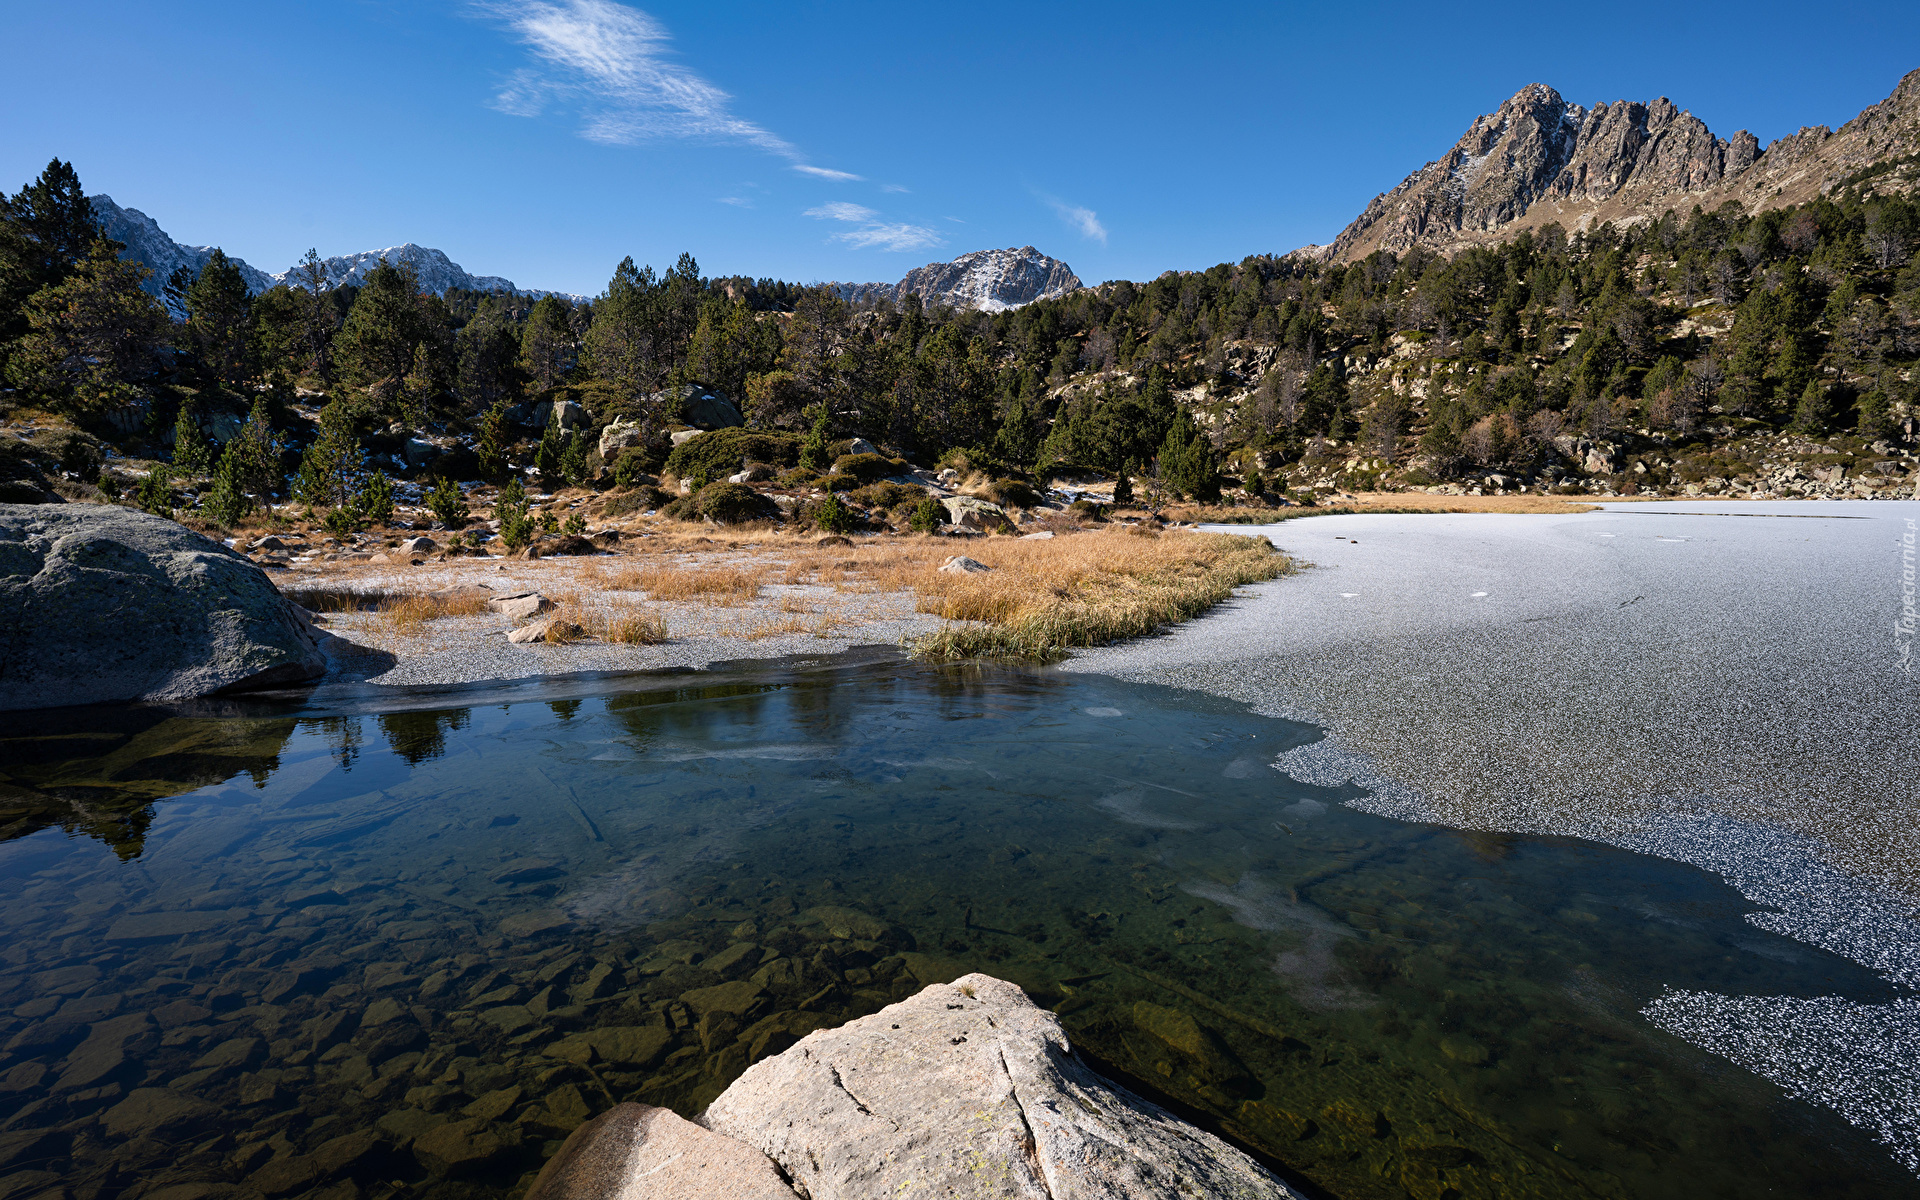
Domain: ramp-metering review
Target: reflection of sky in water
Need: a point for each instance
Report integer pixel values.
(1122, 852)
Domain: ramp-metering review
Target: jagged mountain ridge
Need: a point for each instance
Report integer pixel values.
(149, 244)
(988, 280)
(1538, 159)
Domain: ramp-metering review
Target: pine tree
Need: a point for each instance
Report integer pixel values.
(813, 452)
(573, 463)
(155, 494)
(546, 342)
(46, 231)
(510, 509)
(487, 352)
(190, 453)
(1123, 484)
(226, 503)
(91, 337)
(1814, 413)
(259, 450)
(447, 504)
(419, 388)
(318, 318)
(328, 467)
(375, 501)
(1187, 463)
(546, 456)
(376, 342)
(492, 449)
(219, 317)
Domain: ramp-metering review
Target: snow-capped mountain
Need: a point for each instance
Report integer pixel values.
(988, 280)
(435, 270)
(147, 243)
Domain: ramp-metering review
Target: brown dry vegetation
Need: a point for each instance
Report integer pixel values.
(1042, 597)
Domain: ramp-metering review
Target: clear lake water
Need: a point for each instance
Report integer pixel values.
(402, 945)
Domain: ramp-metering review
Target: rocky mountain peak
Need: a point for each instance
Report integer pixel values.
(1539, 159)
(149, 244)
(988, 280)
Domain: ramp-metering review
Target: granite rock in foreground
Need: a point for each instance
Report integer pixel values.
(968, 1089)
(639, 1152)
(101, 604)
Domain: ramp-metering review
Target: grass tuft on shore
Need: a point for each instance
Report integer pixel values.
(1046, 598)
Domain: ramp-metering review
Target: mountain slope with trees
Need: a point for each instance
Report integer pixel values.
(1703, 351)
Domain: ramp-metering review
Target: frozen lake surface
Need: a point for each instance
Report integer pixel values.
(1724, 683)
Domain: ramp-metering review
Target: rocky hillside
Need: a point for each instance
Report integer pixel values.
(147, 243)
(986, 281)
(1539, 160)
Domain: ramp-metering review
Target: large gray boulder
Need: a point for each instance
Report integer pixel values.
(639, 1152)
(968, 1089)
(101, 604)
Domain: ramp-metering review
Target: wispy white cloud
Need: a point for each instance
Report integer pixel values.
(736, 201)
(1085, 220)
(828, 173)
(893, 187)
(612, 62)
(891, 237)
(840, 210)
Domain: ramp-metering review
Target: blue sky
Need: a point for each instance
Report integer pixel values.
(544, 140)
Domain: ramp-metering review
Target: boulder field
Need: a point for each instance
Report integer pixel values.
(100, 604)
(963, 1089)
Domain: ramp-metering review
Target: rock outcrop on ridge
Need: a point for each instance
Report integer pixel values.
(1539, 159)
(988, 280)
(101, 604)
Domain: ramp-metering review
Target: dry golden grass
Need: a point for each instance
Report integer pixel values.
(813, 624)
(408, 615)
(722, 586)
(1044, 598)
(469, 605)
(629, 625)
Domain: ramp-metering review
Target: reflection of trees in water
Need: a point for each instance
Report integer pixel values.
(342, 735)
(419, 736)
(98, 772)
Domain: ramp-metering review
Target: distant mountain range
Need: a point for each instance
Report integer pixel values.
(147, 243)
(988, 280)
(1540, 160)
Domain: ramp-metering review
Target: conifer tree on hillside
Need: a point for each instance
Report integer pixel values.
(91, 338)
(318, 317)
(190, 453)
(490, 356)
(494, 440)
(219, 319)
(46, 231)
(387, 322)
(622, 347)
(546, 342)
